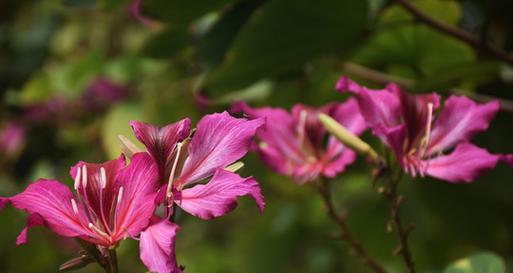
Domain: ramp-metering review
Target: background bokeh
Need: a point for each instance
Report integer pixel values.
(73, 72)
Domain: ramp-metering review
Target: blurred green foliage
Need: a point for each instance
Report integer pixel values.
(196, 57)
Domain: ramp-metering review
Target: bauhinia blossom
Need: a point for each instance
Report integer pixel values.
(195, 174)
(218, 141)
(293, 143)
(425, 143)
(111, 202)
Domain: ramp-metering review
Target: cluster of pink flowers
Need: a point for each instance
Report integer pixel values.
(294, 145)
(114, 201)
(192, 169)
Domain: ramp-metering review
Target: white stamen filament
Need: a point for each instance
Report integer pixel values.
(301, 127)
(74, 206)
(103, 178)
(84, 176)
(427, 137)
(169, 192)
(77, 179)
(97, 230)
(120, 194)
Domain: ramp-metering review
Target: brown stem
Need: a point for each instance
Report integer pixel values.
(113, 261)
(95, 253)
(457, 33)
(354, 244)
(402, 233)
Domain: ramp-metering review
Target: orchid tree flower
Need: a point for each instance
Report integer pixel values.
(196, 173)
(293, 143)
(111, 202)
(423, 142)
(185, 161)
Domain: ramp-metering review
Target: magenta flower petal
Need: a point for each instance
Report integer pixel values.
(279, 147)
(348, 114)
(157, 247)
(33, 220)
(136, 203)
(219, 140)
(380, 108)
(459, 121)
(293, 144)
(219, 195)
(51, 201)
(464, 164)
(160, 142)
(344, 158)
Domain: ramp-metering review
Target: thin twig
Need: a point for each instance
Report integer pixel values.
(402, 233)
(346, 235)
(457, 33)
(384, 78)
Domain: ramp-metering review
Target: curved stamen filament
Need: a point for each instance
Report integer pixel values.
(74, 206)
(91, 215)
(103, 184)
(77, 179)
(120, 195)
(427, 136)
(84, 176)
(97, 230)
(103, 178)
(169, 190)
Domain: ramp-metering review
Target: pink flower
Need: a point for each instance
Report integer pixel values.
(12, 138)
(293, 143)
(184, 162)
(421, 140)
(111, 202)
(103, 92)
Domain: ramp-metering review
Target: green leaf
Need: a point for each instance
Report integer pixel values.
(117, 123)
(284, 34)
(37, 89)
(257, 91)
(485, 262)
(215, 43)
(417, 51)
(180, 12)
(71, 78)
(446, 11)
(167, 43)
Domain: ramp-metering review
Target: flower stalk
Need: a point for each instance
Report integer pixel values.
(324, 189)
(397, 225)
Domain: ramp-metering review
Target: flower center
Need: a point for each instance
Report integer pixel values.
(413, 161)
(100, 220)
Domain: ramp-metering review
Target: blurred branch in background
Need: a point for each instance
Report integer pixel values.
(457, 33)
(346, 235)
(384, 78)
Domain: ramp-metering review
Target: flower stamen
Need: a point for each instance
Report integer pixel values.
(74, 206)
(120, 195)
(103, 178)
(97, 230)
(169, 190)
(77, 179)
(84, 176)
(427, 137)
